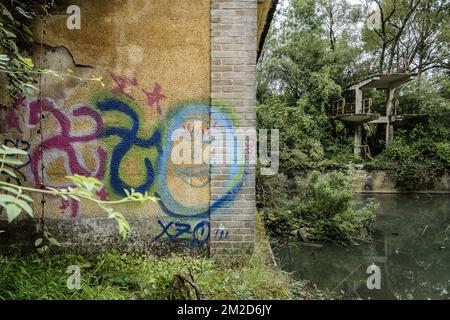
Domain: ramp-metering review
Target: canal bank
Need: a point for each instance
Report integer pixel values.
(410, 246)
(381, 181)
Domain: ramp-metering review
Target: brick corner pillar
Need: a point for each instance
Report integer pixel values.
(233, 84)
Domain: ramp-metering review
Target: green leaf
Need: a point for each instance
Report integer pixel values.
(84, 193)
(28, 31)
(5, 198)
(12, 211)
(8, 14)
(9, 172)
(54, 242)
(27, 62)
(24, 13)
(30, 86)
(25, 206)
(12, 151)
(11, 160)
(124, 227)
(38, 242)
(26, 197)
(112, 214)
(12, 190)
(89, 185)
(8, 33)
(76, 180)
(43, 249)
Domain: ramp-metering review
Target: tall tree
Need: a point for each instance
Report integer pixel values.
(413, 36)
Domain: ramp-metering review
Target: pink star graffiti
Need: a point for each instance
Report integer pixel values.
(12, 120)
(122, 83)
(155, 97)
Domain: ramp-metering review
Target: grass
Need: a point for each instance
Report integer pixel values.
(118, 276)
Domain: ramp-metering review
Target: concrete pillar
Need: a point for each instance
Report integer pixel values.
(358, 100)
(358, 128)
(389, 114)
(357, 141)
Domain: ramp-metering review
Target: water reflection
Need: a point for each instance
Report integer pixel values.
(411, 247)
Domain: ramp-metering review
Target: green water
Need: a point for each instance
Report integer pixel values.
(411, 246)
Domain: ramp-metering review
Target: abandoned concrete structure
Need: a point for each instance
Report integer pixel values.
(163, 64)
(361, 110)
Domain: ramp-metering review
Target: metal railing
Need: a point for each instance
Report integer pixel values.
(337, 107)
(340, 107)
(366, 106)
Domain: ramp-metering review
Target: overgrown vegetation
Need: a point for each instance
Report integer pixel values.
(316, 48)
(320, 208)
(16, 40)
(121, 276)
(420, 153)
(307, 138)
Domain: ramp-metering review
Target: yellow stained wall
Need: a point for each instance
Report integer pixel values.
(151, 41)
(264, 7)
(149, 46)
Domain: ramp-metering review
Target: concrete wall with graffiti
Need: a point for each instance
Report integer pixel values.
(154, 58)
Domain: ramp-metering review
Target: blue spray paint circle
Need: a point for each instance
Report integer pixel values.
(235, 174)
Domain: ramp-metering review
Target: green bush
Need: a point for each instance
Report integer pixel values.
(271, 191)
(323, 208)
(416, 161)
(420, 152)
(308, 140)
(300, 133)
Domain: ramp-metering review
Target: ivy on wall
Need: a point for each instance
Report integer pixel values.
(16, 38)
